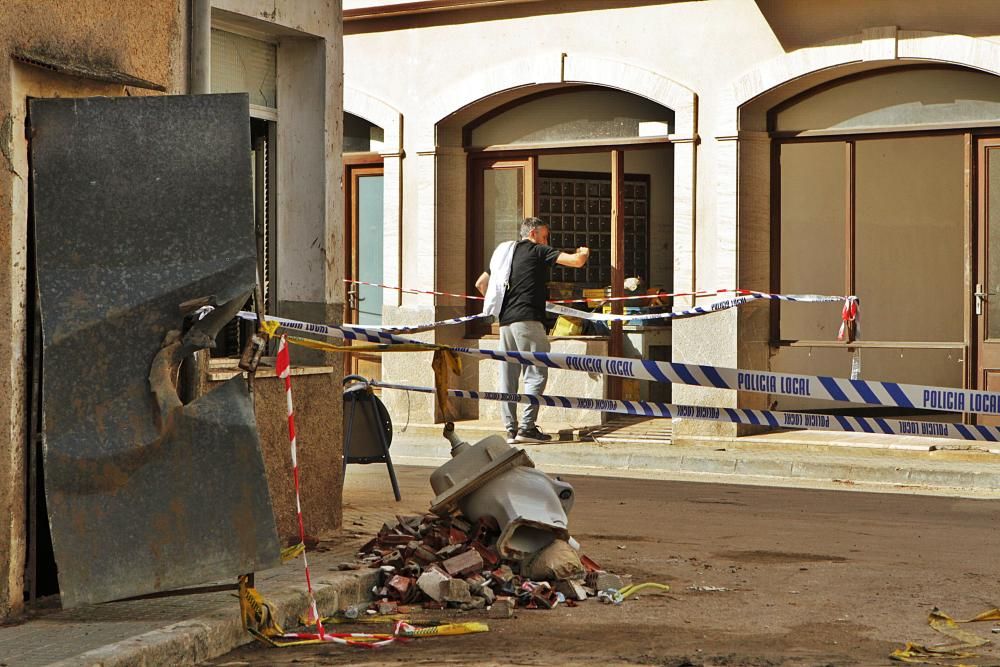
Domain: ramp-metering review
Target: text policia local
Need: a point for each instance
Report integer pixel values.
(961, 401)
(770, 384)
(619, 367)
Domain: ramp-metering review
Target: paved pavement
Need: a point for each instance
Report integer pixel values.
(175, 630)
(945, 472)
(190, 629)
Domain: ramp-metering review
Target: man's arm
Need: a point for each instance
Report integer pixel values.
(482, 282)
(574, 260)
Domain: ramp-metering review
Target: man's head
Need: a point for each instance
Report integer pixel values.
(535, 230)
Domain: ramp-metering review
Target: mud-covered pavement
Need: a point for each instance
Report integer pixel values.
(759, 576)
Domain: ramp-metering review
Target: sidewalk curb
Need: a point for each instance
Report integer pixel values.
(801, 467)
(196, 640)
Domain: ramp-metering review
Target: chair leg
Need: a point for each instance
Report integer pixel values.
(385, 450)
(347, 436)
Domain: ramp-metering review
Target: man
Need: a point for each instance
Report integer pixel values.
(515, 287)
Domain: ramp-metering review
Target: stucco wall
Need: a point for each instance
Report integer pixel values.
(320, 446)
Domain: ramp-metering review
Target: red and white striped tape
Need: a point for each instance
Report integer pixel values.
(413, 291)
(283, 367)
(659, 295)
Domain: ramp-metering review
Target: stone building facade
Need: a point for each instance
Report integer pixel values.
(788, 146)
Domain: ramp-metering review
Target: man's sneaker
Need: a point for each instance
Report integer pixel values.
(511, 436)
(532, 434)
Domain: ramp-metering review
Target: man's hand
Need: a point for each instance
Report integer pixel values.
(574, 260)
(482, 283)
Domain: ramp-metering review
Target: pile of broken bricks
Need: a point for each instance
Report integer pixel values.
(438, 562)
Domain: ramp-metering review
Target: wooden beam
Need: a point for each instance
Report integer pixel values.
(616, 345)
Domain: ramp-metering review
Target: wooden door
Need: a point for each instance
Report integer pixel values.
(503, 194)
(986, 298)
(364, 197)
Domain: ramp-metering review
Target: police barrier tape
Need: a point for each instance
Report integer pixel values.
(657, 295)
(551, 307)
(725, 304)
(418, 328)
(867, 392)
(775, 419)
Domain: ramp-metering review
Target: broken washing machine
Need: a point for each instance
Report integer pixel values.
(493, 479)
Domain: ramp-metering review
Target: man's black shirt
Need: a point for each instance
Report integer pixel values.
(527, 289)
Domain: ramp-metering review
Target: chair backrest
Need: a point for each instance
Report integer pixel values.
(364, 415)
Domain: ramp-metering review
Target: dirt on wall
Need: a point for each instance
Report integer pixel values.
(320, 443)
(139, 37)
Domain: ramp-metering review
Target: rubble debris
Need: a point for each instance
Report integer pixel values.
(503, 607)
(467, 562)
(573, 590)
(430, 582)
(455, 590)
(602, 580)
(555, 562)
(449, 562)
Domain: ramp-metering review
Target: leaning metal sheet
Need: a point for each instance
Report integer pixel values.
(141, 204)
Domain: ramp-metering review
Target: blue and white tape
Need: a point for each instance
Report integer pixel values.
(771, 418)
(843, 390)
(715, 307)
(419, 328)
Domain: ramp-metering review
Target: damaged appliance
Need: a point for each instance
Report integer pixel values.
(493, 479)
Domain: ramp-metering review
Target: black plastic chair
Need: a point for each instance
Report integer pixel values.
(368, 430)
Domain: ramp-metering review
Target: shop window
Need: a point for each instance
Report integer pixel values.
(901, 98)
(580, 114)
(881, 218)
(577, 208)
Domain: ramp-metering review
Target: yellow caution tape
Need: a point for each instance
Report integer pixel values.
(635, 588)
(946, 625)
(372, 347)
(270, 327)
(292, 552)
(445, 363)
(448, 629)
(257, 614)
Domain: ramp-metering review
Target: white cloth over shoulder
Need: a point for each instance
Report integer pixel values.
(500, 263)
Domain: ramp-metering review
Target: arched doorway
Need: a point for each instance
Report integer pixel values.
(880, 186)
(597, 165)
(364, 217)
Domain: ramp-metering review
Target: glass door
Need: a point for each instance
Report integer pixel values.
(365, 195)
(986, 296)
(503, 194)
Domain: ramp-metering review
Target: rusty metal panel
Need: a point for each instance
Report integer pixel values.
(140, 205)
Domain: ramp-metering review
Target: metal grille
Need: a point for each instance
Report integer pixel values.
(578, 212)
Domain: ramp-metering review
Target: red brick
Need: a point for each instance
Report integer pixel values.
(464, 563)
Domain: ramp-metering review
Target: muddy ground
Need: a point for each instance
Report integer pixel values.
(809, 577)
